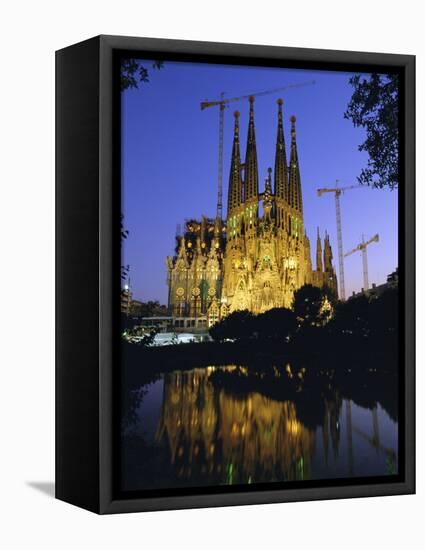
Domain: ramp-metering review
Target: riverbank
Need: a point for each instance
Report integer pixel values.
(256, 352)
(142, 363)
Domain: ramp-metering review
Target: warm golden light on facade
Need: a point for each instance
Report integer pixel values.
(254, 262)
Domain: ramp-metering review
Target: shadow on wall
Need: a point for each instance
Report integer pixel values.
(46, 487)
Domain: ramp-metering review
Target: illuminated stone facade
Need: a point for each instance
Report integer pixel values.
(260, 255)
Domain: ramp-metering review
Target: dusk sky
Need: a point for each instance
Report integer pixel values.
(170, 150)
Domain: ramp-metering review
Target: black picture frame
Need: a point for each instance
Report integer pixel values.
(88, 249)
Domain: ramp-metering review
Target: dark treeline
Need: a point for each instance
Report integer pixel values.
(319, 333)
(352, 346)
(309, 391)
(318, 326)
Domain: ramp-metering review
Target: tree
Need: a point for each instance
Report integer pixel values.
(352, 317)
(124, 234)
(374, 106)
(133, 72)
(236, 326)
(312, 306)
(142, 336)
(277, 323)
(384, 314)
(149, 309)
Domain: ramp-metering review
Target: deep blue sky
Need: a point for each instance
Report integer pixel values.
(169, 171)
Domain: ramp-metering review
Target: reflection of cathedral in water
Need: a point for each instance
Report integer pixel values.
(217, 437)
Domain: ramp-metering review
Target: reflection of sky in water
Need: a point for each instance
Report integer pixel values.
(372, 444)
(349, 441)
(150, 409)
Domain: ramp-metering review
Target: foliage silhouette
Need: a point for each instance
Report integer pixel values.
(238, 325)
(363, 326)
(134, 73)
(124, 234)
(276, 323)
(374, 106)
(312, 306)
(352, 317)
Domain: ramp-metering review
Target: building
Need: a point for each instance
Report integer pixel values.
(260, 254)
(147, 309)
(161, 324)
(377, 290)
(126, 300)
(136, 308)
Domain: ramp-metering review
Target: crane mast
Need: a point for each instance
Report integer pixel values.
(362, 247)
(220, 160)
(221, 103)
(337, 192)
(365, 268)
(340, 249)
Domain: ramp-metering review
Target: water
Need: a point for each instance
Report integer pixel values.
(229, 426)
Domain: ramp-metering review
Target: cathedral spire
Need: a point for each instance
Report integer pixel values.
(280, 164)
(251, 166)
(295, 196)
(203, 231)
(268, 197)
(319, 265)
(307, 241)
(235, 178)
(327, 254)
(268, 182)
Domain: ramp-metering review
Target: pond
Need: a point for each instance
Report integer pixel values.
(227, 426)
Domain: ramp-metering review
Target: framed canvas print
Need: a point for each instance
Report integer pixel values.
(235, 274)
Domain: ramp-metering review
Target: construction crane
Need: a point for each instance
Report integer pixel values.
(222, 103)
(362, 247)
(337, 192)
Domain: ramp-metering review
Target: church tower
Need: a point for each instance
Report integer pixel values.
(330, 279)
(327, 254)
(295, 195)
(280, 173)
(251, 164)
(235, 196)
(258, 257)
(319, 265)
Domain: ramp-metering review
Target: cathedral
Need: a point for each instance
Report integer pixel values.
(260, 255)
